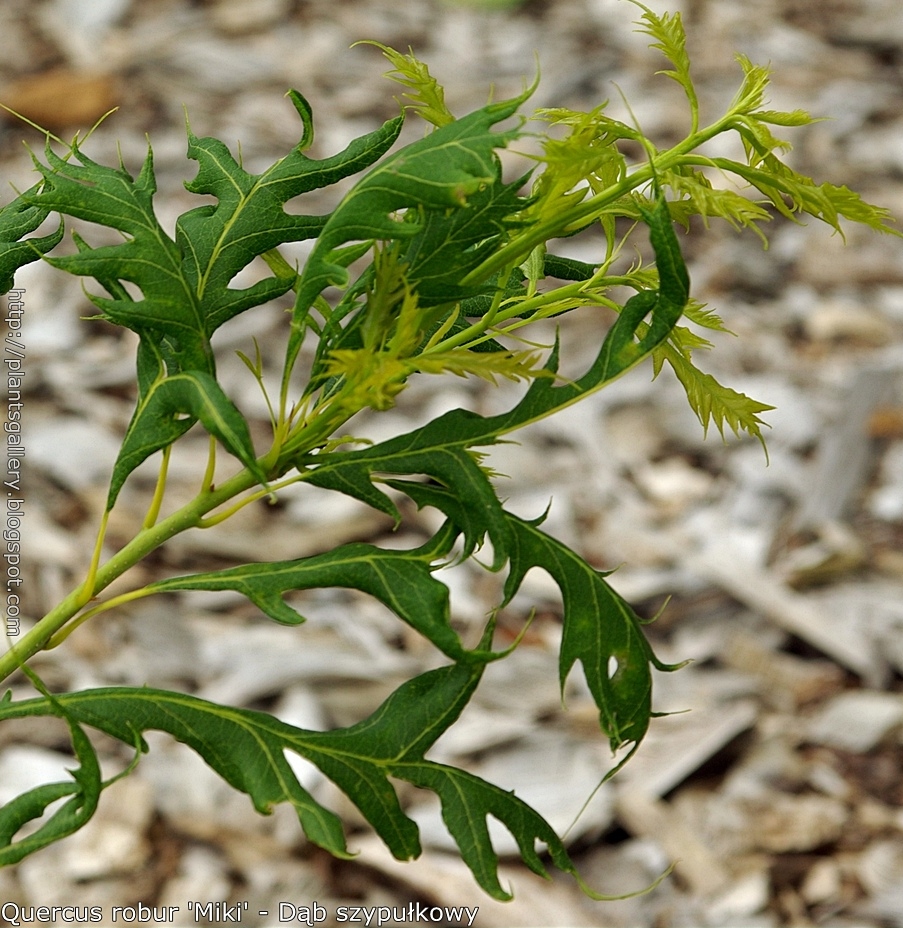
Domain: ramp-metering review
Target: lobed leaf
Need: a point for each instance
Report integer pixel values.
(447, 246)
(467, 801)
(171, 406)
(599, 628)
(249, 218)
(712, 401)
(17, 219)
(244, 748)
(400, 579)
(170, 311)
(664, 306)
(427, 95)
(83, 791)
(440, 450)
(440, 172)
(247, 749)
(185, 282)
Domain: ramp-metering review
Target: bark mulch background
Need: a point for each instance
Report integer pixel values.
(780, 793)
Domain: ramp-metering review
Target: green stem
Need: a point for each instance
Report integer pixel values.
(83, 617)
(568, 220)
(146, 541)
(465, 336)
(528, 306)
(275, 463)
(516, 251)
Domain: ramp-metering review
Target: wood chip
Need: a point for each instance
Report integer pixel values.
(787, 681)
(61, 98)
(782, 823)
(759, 589)
(446, 880)
(856, 720)
(681, 743)
(844, 457)
(646, 816)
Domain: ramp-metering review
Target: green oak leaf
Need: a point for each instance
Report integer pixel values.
(83, 790)
(247, 749)
(400, 579)
(443, 171)
(17, 219)
(600, 629)
(167, 410)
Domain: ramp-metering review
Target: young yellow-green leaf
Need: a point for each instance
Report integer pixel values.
(698, 197)
(751, 95)
(671, 40)
(710, 400)
(702, 314)
(758, 139)
(427, 96)
(685, 340)
(489, 365)
(585, 161)
(440, 172)
(792, 193)
(784, 118)
(630, 339)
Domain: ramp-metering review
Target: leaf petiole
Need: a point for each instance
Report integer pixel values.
(153, 512)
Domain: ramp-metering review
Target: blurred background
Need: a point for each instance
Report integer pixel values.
(780, 792)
